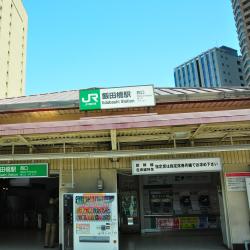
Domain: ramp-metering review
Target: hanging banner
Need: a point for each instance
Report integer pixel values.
(236, 182)
(114, 98)
(147, 167)
(33, 170)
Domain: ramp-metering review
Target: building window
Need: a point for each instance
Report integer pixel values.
(183, 76)
(209, 70)
(189, 77)
(179, 76)
(241, 77)
(215, 72)
(193, 72)
(203, 71)
(240, 70)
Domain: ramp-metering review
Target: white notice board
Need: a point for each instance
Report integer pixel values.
(236, 182)
(248, 190)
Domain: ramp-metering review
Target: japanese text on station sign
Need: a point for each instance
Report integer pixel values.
(182, 165)
(113, 98)
(23, 170)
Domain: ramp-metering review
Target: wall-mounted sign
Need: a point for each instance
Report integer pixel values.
(114, 98)
(236, 182)
(248, 190)
(38, 170)
(145, 167)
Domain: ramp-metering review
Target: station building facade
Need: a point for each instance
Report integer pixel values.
(85, 149)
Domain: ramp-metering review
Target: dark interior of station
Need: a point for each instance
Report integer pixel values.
(23, 202)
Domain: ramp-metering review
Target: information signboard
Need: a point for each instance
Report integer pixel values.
(236, 182)
(33, 170)
(248, 190)
(113, 98)
(147, 167)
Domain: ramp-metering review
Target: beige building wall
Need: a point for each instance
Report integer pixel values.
(13, 41)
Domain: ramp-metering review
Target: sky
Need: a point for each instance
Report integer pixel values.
(80, 44)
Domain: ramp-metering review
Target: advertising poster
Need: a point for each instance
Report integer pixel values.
(203, 222)
(165, 224)
(189, 222)
(168, 224)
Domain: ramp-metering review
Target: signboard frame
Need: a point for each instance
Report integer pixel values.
(236, 181)
(171, 166)
(96, 94)
(248, 190)
(14, 167)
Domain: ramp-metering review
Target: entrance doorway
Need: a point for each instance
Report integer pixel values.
(179, 211)
(23, 204)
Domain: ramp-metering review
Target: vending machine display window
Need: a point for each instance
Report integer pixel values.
(95, 221)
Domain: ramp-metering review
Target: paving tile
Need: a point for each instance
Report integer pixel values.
(30, 240)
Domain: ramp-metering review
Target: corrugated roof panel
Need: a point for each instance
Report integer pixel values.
(225, 89)
(161, 92)
(185, 91)
(73, 95)
(172, 91)
(211, 90)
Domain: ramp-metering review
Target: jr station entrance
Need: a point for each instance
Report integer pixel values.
(23, 206)
(180, 210)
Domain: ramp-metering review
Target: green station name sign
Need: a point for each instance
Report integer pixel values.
(114, 98)
(34, 170)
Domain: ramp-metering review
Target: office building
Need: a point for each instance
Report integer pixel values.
(13, 40)
(217, 67)
(241, 10)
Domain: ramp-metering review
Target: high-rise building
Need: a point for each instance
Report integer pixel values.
(242, 18)
(13, 40)
(217, 67)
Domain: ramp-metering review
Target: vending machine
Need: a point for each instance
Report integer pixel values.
(95, 221)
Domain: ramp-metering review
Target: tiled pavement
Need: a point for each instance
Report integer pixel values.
(28, 240)
(173, 241)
